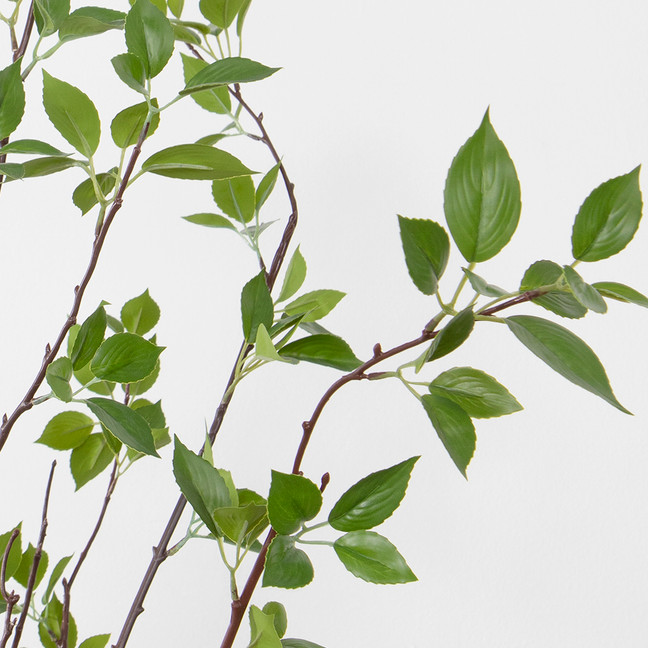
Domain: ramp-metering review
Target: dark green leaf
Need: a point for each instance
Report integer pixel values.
(84, 196)
(220, 12)
(125, 358)
(235, 196)
(256, 306)
(89, 338)
(211, 220)
(477, 393)
(266, 185)
(50, 14)
(98, 641)
(15, 555)
(195, 162)
(299, 643)
(127, 125)
(227, 71)
(66, 431)
(608, 219)
(149, 36)
(323, 349)
(12, 99)
(151, 412)
(621, 292)
(452, 335)
(286, 566)
(482, 287)
(426, 247)
(482, 195)
(72, 113)
(90, 21)
(292, 500)
(57, 572)
(216, 99)
(202, 485)
(32, 147)
(130, 69)
(140, 314)
(46, 166)
(280, 618)
(262, 630)
(315, 304)
(295, 275)
(58, 376)
(584, 293)
(142, 386)
(124, 423)
(90, 459)
(373, 558)
(21, 575)
(565, 353)
(373, 499)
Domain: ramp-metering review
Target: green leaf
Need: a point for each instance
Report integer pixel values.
(477, 393)
(315, 304)
(21, 575)
(426, 247)
(130, 69)
(292, 500)
(12, 170)
(241, 16)
(66, 431)
(210, 220)
(241, 524)
(226, 72)
(89, 338)
(212, 139)
(565, 353)
(50, 14)
(323, 349)
(90, 21)
(12, 100)
(262, 630)
(586, 295)
(140, 314)
(195, 162)
(149, 36)
(90, 459)
(373, 499)
(482, 287)
(482, 195)
(280, 618)
(151, 412)
(49, 628)
(454, 427)
(256, 306)
(286, 566)
(186, 35)
(142, 386)
(176, 7)
(266, 185)
(31, 147)
(46, 166)
(235, 196)
(98, 641)
(125, 358)
(202, 485)
(608, 219)
(265, 349)
(127, 125)
(58, 376)
(295, 276)
(72, 114)
(220, 12)
(217, 99)
(299, 643)
(621, 292)
(15, 555)
(373, 558)
(124, 423)
(84, 196)
(452, 335)
(56, 574)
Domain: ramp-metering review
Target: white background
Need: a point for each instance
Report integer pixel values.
(545, 544)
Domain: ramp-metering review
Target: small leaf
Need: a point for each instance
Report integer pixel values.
(426, 247)
(186, 35)
(293, 500)
(90, 21)
(124, 423)
(66, 431)
(72, 113)
(323, 349)
(373, 499)
(217, 99)
(21, 575)
(49, 627)
(235, 197)
(84, 196)
(315, 304)
(90, 459)
(454, 427)
(241, 524)
(373, 558)
(149, 36)
(140, 314)
(89, 338)
(565, 353)
(621, 292)
(195, 162)
(286, 566)
(256, 306)
(220, 12)
(125, 358)
(211, 220)
(130, 69)
(477, 393)
(452, 335)
(15, 554)
(58, 376)
(57, 572)
(32, 147)
(295, 276)
(608, 219)
(280, 618)
(482, 287)
(266, 185)
(264, 348)
(176, 7)
(584, 293)
(241, 17)
(200, 483)
(262, 630)
(12, 100)
(127, 125)
(50, 14)
(141, 386)
(226, 72)
(98, 641)
(299, 643)
(482, 195)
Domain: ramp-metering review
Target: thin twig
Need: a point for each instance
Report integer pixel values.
(65, 616)
(10, 598)
(51, 352)
(37, 558)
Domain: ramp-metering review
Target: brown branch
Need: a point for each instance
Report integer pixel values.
(50, 352)
(65, 616)
(37, 558)
(10, 598)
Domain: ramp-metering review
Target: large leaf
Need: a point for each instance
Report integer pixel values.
(482, 195)
(89, 338)
(12, 100)
(565, 353)
(66, 431)
(125, 358)
(608, 219)
(454, 427)
(72, 113)
(478, 394)
(217, 99)
(322, 349)
(256, 306)
(90, 459)
(621, 292)
(426, 247)
(195, 162)
(90, 21)
(140, 314)
(373, 499)
(373, 558)
(286, 566)
(225, 72)
(124, 423)
(292, 500)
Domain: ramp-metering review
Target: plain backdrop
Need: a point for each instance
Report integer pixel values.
(545, 543)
